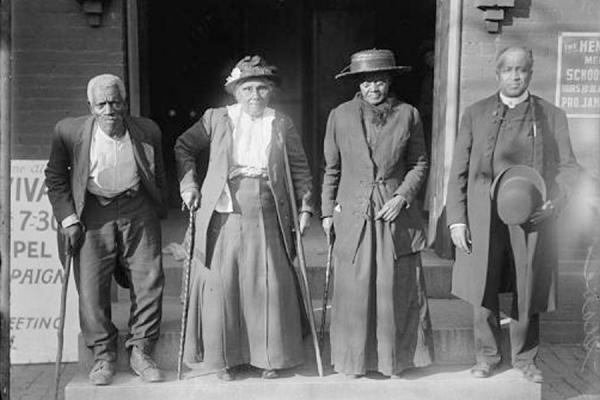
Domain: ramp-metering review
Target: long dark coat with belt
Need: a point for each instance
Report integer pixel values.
(215, 131)
(469, 199)
(402, 161)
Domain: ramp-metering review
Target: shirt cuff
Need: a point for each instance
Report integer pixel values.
(457, 225)
(70, 220)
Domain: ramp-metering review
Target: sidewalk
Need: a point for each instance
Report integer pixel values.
(561, 365)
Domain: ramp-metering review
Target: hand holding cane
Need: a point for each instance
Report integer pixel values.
(185, 290)
(302, 262)
(61, 321)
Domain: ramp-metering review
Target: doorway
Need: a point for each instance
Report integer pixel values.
(187, 49)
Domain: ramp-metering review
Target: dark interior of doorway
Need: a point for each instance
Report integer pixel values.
(189, 47)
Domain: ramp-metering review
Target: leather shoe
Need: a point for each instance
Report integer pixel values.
(225, 375)
(482, 370)
(102, 372)
(143, 365)
(270, 374)
(531, 372)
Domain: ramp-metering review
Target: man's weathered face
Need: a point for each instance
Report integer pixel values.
(254, 95)
(108, 107)
(514, 73)
(374, 88)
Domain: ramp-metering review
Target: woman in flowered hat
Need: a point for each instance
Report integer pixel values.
(244, 305)
(375, 164)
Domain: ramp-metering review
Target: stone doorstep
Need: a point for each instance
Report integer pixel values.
(451, 320)
(448, 383)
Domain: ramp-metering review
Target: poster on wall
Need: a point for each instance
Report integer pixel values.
(36, 272)
(578, 74)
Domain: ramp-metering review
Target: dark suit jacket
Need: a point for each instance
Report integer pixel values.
(354, 179)
(68, 167)
(214, 131)
(469, 200)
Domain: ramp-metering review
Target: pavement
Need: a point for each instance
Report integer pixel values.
(562, 366)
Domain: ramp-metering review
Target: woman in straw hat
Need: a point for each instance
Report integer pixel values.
(244, 304)
(375, 164)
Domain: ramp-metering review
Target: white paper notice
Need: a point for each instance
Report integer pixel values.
(36, 272)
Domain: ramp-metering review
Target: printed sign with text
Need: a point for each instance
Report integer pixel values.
(36, 273)
(578, 74)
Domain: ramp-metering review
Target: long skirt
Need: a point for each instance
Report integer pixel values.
(244, 307)
(380, 318)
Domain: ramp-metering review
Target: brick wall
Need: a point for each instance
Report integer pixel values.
(536, 24)
(55, 53)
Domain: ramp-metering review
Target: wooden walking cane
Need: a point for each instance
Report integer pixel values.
(302, 262)
(185, 290)
(328, 272)
(61, 321)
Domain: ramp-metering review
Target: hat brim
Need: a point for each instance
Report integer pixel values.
(523, 171)
(393, 70)
(230, 87)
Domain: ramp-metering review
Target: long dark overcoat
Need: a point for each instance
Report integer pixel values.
(469, 199)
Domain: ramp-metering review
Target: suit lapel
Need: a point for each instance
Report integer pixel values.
(82, 150)
(492, 117)
(138, 152)
(359, 140)
(387, 138)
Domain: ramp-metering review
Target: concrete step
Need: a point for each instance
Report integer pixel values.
(448, 383)
(451, 321)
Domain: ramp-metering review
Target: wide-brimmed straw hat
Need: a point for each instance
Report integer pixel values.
(372, 60)
(251, 67)
(518, 191)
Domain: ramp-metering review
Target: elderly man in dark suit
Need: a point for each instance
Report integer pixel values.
(511, 127)
(106, 182)
(375, 164)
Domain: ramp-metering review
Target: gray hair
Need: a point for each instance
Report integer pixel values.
(527, 50)
(105, 80)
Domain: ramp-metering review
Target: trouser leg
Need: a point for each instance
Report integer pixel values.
(486, 331)
(525, 339)
(139, 243)
(93, 267)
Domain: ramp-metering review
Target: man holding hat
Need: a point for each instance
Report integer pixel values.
(375, 164)
(512, 171)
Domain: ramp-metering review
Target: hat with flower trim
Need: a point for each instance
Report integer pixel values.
(251, 67)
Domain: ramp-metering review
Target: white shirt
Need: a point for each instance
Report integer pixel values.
(249, 153)
(112, 167)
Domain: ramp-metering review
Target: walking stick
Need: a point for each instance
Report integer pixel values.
(302, 262)
(61, 321)
(185, 289)
(328, 272)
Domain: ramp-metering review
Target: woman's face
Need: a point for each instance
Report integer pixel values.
(254, 95)
(375, 87)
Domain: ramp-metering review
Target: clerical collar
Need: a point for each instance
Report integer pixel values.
(512, 102)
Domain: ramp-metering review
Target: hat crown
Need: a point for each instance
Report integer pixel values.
(373, 59)
(251, 67)
(518, 191)
(254, 64)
